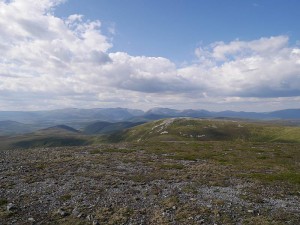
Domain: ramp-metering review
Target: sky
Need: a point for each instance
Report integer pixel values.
(183, 54)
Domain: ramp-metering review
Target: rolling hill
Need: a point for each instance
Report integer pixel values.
(103, 127)
(56, 136)
(59, 129)
(9, 127)
(190, 129)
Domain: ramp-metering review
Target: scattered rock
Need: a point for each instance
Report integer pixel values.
(201, 221)
(75, 212)
(11, 207)
(95, 222)
(62, 212)
(80, 215)
(137, 187)
(90, 217)
(31, 219)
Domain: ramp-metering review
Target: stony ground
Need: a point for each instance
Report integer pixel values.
(139, 184)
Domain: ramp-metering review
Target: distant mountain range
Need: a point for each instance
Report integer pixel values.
(280, 114)
(71, 115)
(106, 120)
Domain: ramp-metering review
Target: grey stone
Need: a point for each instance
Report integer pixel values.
(90, 217)
(11, 207)
(95, 222)
(75, 212)
(31, 219)
(62, 212)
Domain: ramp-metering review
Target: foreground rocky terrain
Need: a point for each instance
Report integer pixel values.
(152, 183)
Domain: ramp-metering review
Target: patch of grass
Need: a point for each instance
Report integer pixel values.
(259, 220)
(190, 189)
(40, 166)
(95, 151)
(65, 197)
(71, 221)
(141, 178)
(291, 177)
(184, 156)
(119, 150)
(170, 201)
(6, 214)
(262, 157)
(113, 216)
(3, 201)
(171, 166)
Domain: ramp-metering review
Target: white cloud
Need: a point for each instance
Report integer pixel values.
(267, 67)
(51, 62)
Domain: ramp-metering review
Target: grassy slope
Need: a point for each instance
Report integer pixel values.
(52, 137)
(268, 152)
(208, 130)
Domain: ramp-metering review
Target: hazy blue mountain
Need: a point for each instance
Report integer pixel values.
(163, 111)
(13, 122)
(159, 113)
(241, 114)
(71, 115)
(286, 114)
(9, 127)
(196, 113)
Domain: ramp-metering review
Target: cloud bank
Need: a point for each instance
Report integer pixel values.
(50, 62)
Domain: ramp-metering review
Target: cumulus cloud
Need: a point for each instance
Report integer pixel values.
(267, 67)
(55, 62)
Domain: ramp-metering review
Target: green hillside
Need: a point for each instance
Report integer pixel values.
(102, 127)
(188, 129)
(56, 136)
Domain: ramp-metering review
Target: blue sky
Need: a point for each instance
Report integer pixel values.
(174, 28)
(199, 54)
